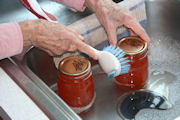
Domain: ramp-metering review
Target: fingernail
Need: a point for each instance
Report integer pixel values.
(81, 37)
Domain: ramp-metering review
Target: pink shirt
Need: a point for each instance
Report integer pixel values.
(11, 39)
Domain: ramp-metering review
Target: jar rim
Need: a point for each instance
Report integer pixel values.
(73, 74)
(136, 38)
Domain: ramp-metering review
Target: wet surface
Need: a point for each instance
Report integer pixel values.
(131, 103)
(155, 96)
(160, 82)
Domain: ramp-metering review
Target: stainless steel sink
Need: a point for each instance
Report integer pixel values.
(45, 69)
(163, 26)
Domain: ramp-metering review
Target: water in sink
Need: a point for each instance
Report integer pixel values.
(155, 96)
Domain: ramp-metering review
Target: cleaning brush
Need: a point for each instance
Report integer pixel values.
(112, 60)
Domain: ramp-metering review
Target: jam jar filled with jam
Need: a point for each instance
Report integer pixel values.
(75, 83)
(136, 50)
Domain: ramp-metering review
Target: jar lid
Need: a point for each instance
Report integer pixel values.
(74, 65)
(132, 45)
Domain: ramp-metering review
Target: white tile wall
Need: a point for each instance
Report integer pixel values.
(15, 102)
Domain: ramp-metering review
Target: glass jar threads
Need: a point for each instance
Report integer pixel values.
(75, 83)
(136, 50)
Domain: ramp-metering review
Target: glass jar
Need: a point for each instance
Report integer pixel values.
(136, 50)
(75, 83)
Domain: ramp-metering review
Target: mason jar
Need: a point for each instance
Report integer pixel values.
(75, 83)
(136, 49)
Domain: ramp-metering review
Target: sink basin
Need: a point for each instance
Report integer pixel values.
(42, 65)
(107, 93)
(164, 40)
(163, 27)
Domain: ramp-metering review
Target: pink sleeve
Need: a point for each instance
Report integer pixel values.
(11, 40)
(75, 5)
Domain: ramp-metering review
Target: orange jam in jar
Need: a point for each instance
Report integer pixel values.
(136, 50)
(75, 83)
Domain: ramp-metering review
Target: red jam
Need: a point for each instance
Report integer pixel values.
(75, 82)
(136, 50)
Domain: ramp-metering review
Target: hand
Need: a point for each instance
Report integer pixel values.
(53, 38)
(112, 15)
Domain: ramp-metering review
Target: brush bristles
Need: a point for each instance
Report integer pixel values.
(124, 69)
(116, 51)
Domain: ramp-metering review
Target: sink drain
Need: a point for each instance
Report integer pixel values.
(131, 103)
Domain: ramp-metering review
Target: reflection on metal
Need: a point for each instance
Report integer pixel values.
(159, 81)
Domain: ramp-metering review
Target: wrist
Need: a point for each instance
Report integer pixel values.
(28, 29)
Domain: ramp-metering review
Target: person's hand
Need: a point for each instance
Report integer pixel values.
(53, 38)
(112, 15)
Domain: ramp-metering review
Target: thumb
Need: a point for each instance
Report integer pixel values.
(83, 47)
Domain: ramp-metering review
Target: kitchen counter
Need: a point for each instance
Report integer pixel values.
(13, 99)
(163, 28)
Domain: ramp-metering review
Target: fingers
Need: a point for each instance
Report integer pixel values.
(78, 44)
(83, 47)
(136, 27)
(70, 43)
(72, 30)
(75, 32)
(78, 37)
(59, 38)
(112, 35)
(72, 48)
(131, 33)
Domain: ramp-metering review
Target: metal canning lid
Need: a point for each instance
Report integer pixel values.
(74, 65)
(132, 45)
